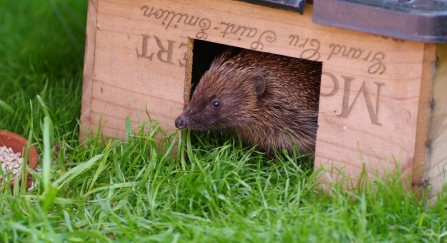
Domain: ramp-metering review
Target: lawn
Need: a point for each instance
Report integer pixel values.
(108, 190)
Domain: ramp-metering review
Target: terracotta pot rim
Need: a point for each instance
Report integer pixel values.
(18, 142)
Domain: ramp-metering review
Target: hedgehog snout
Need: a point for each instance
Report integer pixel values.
(180, 122)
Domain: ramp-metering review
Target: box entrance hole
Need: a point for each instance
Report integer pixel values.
(201, 54)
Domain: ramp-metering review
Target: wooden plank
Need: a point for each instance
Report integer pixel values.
(188, 74)
(89, 66)
(374, 115)
(370, 91)
(428, 70)
(436, 163)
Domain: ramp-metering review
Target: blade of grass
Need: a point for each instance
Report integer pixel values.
(128, 128)
(73, 172)
(6, 107)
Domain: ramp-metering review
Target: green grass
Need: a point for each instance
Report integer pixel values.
(106, 190)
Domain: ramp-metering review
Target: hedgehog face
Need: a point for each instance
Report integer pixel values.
(212, 112)
(222, 104)
(225, 98)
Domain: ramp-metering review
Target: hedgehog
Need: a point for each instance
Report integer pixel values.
(269, 101)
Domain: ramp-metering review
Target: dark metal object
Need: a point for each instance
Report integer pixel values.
(291, 5)
(416, 20)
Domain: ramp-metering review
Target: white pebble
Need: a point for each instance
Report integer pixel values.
(11, 162)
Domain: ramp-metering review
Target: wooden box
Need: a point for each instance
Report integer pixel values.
(382, 100)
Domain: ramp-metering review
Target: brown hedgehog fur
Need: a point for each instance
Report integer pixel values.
(267, 100)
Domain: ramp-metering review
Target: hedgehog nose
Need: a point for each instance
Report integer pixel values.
(180, 122)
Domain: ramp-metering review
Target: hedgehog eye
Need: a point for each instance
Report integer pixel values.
(216, 104)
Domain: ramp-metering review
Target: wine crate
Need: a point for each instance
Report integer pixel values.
(382, 100)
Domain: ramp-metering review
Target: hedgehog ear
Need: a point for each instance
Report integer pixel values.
(259, 82)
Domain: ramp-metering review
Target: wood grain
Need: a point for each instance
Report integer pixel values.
(89, 67)
(422, 139)
(435, 166)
